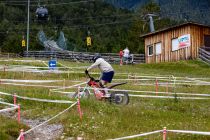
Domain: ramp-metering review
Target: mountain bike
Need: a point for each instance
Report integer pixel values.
(103, 94)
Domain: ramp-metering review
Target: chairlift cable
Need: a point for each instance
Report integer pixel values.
(78, 26)
(89, 17)
(48, 4)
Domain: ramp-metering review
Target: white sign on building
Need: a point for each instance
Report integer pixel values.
(184, 41)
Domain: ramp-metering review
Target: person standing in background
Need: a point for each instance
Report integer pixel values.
(121, 56)
(126, 53)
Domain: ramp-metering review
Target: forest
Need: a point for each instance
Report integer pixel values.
(189, 10)
(110, 28)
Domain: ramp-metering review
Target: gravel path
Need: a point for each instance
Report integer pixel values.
(45, 132)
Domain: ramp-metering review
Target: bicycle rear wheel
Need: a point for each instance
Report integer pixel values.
(121, 98)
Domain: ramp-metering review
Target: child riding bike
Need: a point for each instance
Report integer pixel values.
(107, 72)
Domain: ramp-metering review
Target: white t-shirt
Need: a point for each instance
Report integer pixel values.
(126, 53)
(102, 65)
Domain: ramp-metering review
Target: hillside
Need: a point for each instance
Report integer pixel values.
(188, 10)
(128, 4)
(110, 28)
(74, 19)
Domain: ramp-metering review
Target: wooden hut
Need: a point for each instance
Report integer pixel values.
(176, 43)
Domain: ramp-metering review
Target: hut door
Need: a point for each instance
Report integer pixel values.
(207, 40)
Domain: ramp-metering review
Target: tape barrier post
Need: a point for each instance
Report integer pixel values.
(167, 88)
(174, 86)
(19, 113)
(22, 134)
(15, 99)
(138, 80)
(164, 133)
(49, 94)
(68, 73)
(156, 86)
(23, 73)
(64, 84)
(78, 103)
(4, 68)
(79, 109)
(135, 78)
(78, 92)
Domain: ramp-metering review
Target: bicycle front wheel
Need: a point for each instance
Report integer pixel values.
(83, 93)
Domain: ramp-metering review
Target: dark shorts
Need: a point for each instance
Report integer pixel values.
(107, 76)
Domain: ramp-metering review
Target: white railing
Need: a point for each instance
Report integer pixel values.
(204, 55)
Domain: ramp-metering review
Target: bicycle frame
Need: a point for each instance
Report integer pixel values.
(99, 92)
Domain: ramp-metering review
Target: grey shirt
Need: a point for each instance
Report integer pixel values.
(102, 65)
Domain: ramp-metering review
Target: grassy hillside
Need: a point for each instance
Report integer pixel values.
(107, 25)
(102, 120)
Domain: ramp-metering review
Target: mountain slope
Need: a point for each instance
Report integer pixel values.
(189, 10)
(108, 30)
(128, 4)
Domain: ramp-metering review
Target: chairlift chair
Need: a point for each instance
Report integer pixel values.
(42, 13)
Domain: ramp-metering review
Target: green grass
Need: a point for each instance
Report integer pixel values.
(10, 128)
(102, 120)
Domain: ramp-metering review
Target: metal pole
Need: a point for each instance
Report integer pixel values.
(151, 23)
(28, 27)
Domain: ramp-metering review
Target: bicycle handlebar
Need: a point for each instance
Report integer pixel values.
(87, 74)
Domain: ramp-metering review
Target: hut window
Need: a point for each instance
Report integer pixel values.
(158, 48)
(150, 50)
(175, 44)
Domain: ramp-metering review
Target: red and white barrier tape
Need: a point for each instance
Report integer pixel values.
(168, 97)
(138, 135)
(150, 92)
(5, 103)
(69, 86)
(153, 92)
(40, 100)
(165, 77)
(190, 132)
(184, 82)
(63, 92)
(14, 107)
(16, 60)
(32, 85)
(8, 109)
(81, 67)
(158, 131)
(171, 84)
(29, 81)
